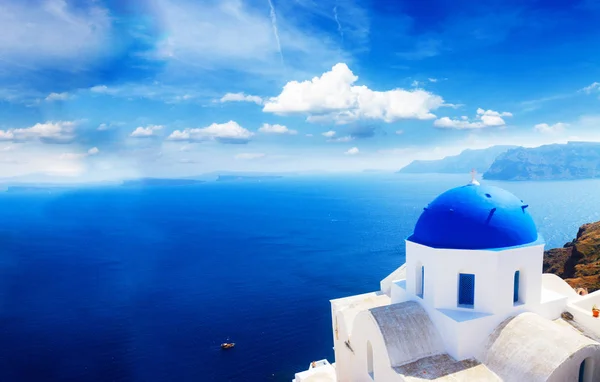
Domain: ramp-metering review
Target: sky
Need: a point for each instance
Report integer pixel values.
(113, 89)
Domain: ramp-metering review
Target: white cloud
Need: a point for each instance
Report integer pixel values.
(273, 17)
(180, 135)
(47, 130)
(6, 135)
(108, 126)
(276, 129)
(484, 118)
(328, 134)
(187, 147)
(492, 118)
(146, 132)
(309, 135)
(399, 132)
(550, 129)
(433, 79)
(347, 138)
(57, 97)
(103, 89)
(352, 151)
(334, 97)
(180, 98)
(228, 132)
(50, 132)
(170, 93)
(53, 33)
(249, 156)
(446, 122)
(415, 84)
(535, 104)
(337, 21)
(71, 156)
(233, 35)
(78, 156)
(591, 88)
(241, 97)
(351, 19)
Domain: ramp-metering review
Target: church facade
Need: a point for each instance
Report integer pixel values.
(469, 304)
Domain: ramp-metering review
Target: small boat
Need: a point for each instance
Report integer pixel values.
(227, 345)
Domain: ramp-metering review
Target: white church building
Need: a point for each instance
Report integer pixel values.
(469, 304)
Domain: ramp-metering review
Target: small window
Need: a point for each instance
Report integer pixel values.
(370, 360)
(516, 288)
(420, 280)
(466, 290)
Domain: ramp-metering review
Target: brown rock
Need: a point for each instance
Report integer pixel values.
(566, 316)
(578, 262)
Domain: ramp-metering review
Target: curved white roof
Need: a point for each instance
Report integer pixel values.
(408, 332)
(530, 348)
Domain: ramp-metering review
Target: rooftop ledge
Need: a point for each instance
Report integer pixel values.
(551, 296)
(401, 283)
(463, 315)
(540, 241)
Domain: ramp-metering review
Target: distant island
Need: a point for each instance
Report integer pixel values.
(160, 182)
(574, 160)
(41, 188)
(462, 163)
(228, 178)
(578, 262)
(44, 182)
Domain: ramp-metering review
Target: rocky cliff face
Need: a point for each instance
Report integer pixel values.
(574, 160)
(462, 163)
(578, 262)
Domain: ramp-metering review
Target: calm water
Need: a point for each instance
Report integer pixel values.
(123, 284)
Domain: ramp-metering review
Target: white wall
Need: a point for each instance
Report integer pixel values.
(494, 276)
(343, 314)
(398, 274)
(343, 356)
(464, 330)
(494, 287)
(555, 284)
(581, 309)
(366, 330)
(569, 370)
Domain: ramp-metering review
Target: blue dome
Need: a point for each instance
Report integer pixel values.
(475, 217)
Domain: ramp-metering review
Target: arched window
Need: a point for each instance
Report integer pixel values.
(466, 290)
(419, 280)
(516, 287)
(370, 360)
(586, 370)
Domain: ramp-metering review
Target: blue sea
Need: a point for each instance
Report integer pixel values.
(143, 284)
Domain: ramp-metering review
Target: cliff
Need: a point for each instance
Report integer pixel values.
(578, 262)
(573, 160)
(462, 163)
